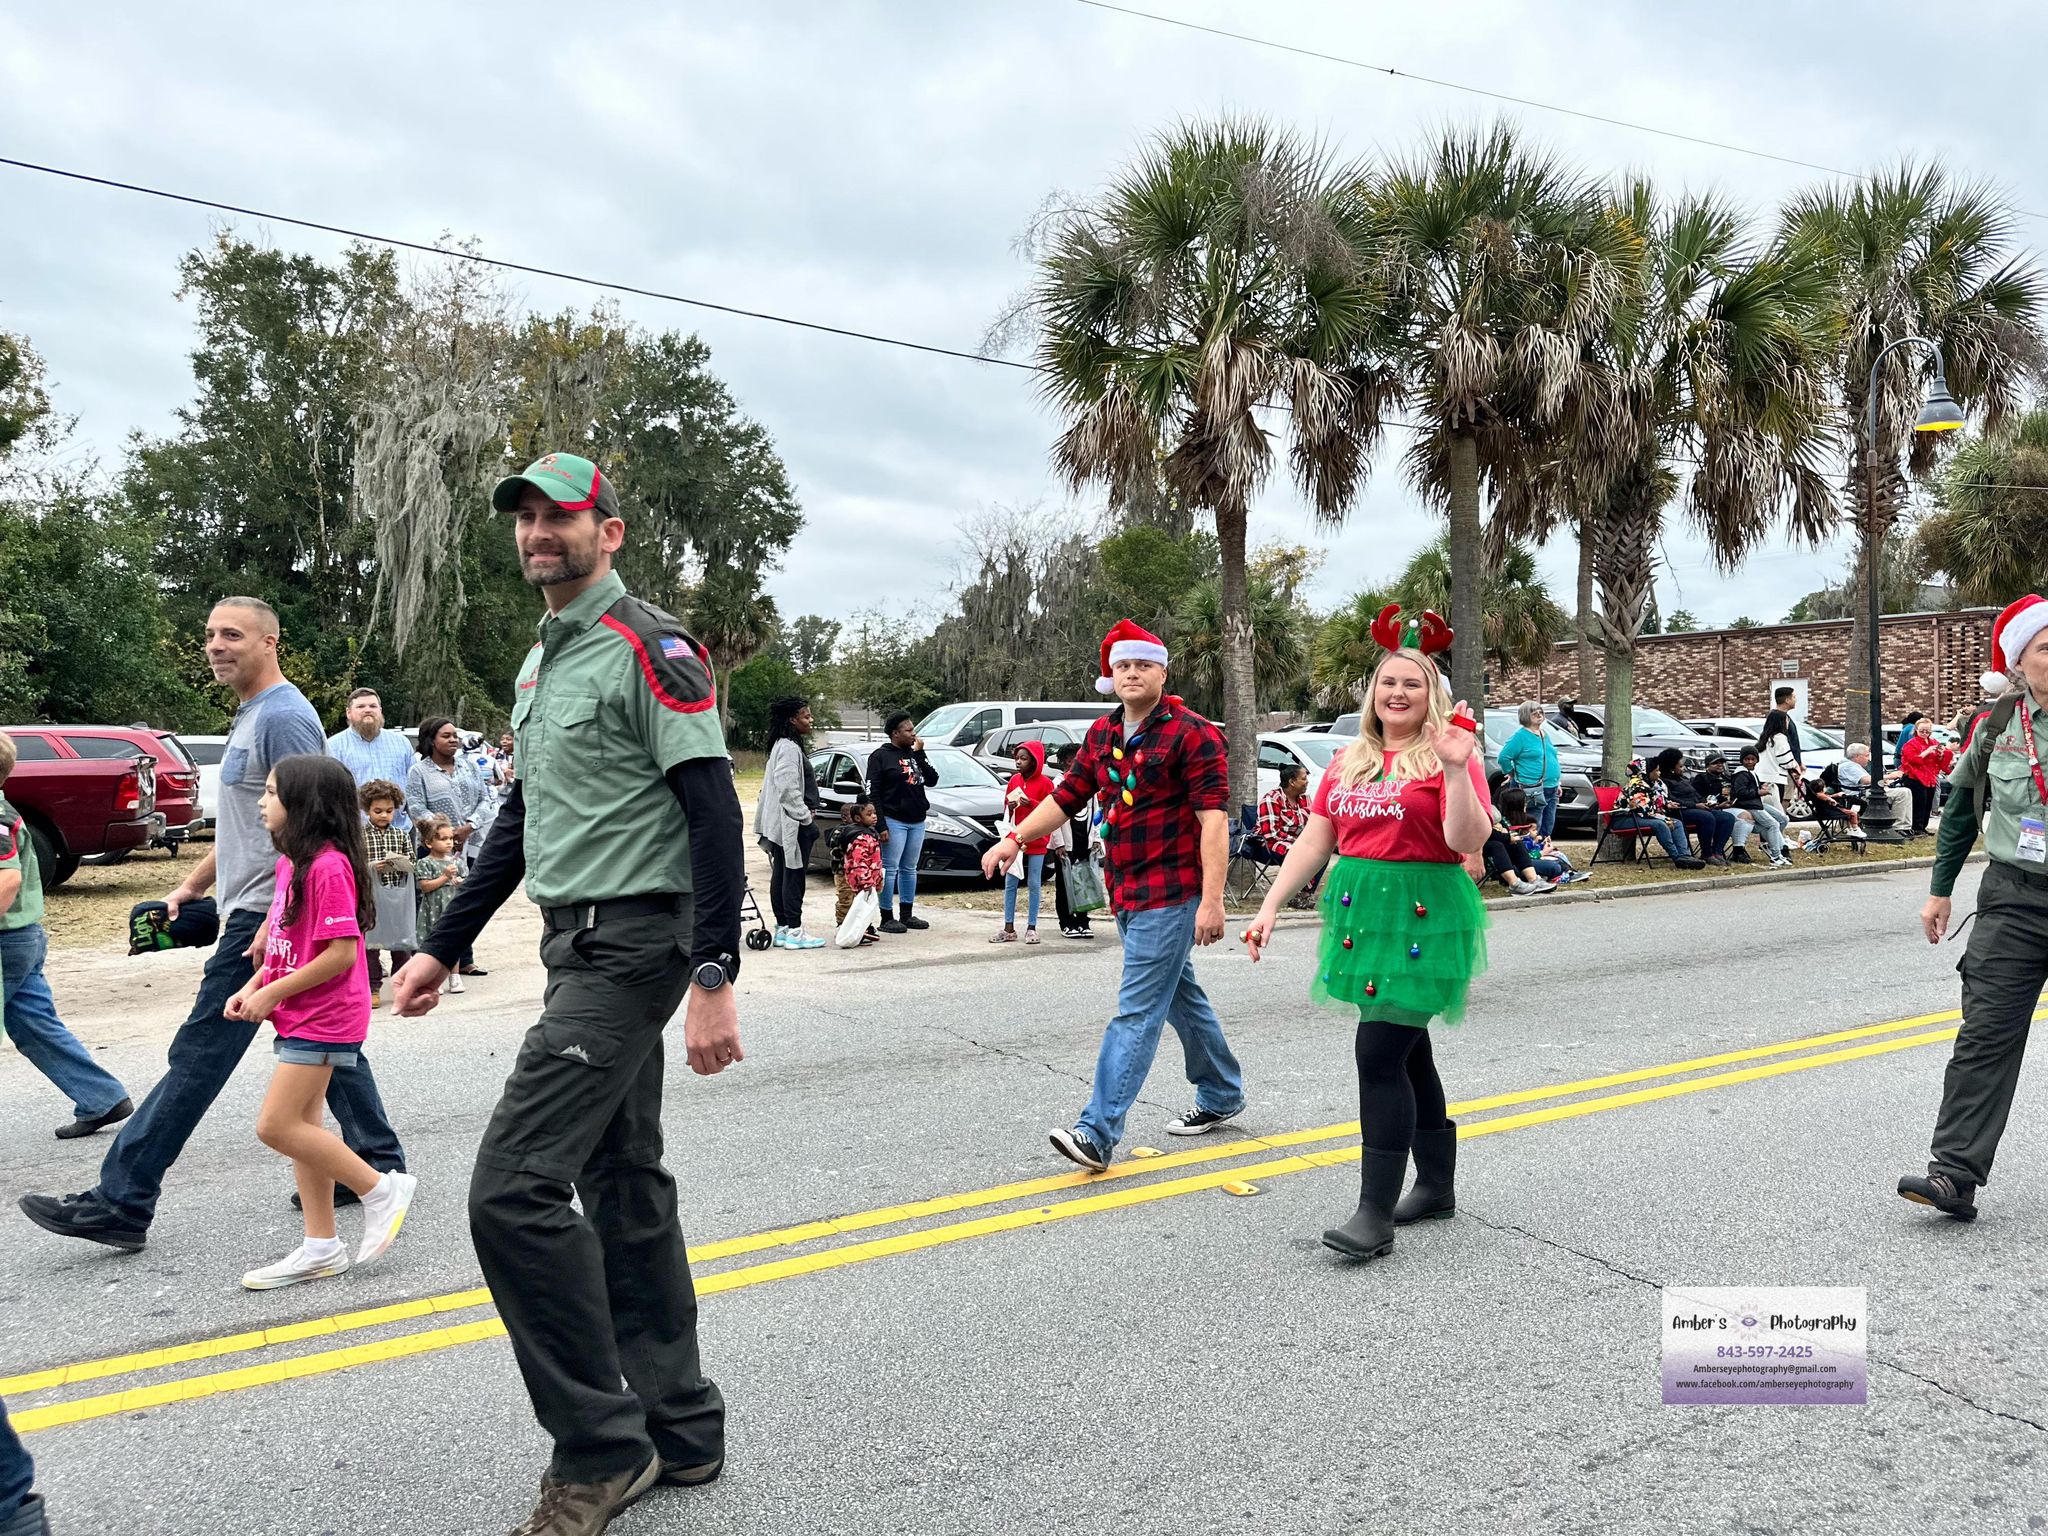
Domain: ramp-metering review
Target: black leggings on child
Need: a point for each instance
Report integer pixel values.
(1398, 1089)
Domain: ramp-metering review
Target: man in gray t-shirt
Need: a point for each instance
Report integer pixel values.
(273, 722)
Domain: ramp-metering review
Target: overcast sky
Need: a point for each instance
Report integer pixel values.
(871, 165)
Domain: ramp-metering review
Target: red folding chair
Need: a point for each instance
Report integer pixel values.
(1606, 797)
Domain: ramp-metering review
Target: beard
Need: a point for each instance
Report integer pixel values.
(567, 566)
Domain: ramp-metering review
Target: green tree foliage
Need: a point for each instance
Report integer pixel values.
(1520, 621)
(1280, 643)
(884, 665)
(1682, 622)
(753, 686)
(1990, 536)
(807, 643)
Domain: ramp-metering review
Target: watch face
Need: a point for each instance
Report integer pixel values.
(710, 974)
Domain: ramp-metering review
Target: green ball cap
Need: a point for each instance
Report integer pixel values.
(574, 484)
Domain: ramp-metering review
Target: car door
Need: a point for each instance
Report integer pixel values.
(1273, 757)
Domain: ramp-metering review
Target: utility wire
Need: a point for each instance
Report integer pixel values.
(1476, 90)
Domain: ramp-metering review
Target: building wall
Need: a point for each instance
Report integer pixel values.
(1931, 662)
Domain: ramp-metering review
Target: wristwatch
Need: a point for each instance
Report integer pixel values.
(712, 974)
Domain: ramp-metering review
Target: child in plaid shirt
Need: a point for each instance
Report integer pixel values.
(389, 850)
(856, 860)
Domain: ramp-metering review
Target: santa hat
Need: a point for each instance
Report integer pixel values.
(1127, 642)
(2010, 632)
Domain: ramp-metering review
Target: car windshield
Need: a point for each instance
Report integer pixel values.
(1654, 722)
(205, 753)
(1319, 750)
(959, 771)
(943, 722)
(1819, 736)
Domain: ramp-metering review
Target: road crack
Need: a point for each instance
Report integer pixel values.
(1651, 1282)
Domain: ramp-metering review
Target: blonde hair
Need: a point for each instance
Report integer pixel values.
(1366, 757)
(7, 754)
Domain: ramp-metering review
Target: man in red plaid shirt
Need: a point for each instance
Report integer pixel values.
(1159, 772)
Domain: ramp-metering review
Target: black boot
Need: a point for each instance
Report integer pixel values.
(1370, 1231)
(27, 1519)
(1436, 1160)
(909, 918)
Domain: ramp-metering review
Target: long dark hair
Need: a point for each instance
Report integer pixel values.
(320, 812)
(782, 715)
(429, 729)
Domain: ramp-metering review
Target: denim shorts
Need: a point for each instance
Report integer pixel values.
(316, 1053)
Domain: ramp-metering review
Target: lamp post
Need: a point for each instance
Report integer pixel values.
(1939, 413)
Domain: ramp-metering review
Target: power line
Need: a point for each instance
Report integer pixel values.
(1477, 90)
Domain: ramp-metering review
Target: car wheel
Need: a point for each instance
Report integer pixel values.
(111, 856)
(55, 868)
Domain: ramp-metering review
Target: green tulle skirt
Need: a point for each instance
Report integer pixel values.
(1401, 940)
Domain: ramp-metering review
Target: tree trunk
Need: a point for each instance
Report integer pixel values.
(1618, 645)
(1589, 675)
(1625, 568)
(1468, 658)
(1240, 692)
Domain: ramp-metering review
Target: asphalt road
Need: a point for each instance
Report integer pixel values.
(1144, 1352)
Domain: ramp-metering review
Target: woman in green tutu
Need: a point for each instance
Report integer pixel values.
(1404, 928)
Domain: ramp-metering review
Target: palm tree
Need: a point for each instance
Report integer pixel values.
(1520, 621)
(1343, 652)
(1910, 253)
(1221, 273)
(1990, 537)
(1280, 643)
(735, 621)
(1715, 352)
(1497, 263)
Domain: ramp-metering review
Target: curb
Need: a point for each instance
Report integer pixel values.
(1719, 883)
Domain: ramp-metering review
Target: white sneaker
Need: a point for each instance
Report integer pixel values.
(781, 938)
(1779, 861)
(384, 1211)
(798, 939)
(455, 984)
(295, 1267)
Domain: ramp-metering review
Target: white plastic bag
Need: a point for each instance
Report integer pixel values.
(865, 912)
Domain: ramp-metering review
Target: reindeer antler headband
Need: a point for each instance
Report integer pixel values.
(1428, 634)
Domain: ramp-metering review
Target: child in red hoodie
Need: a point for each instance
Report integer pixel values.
(1027, 786)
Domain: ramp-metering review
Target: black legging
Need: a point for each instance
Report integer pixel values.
(1923, 803)
(1398, 1089)
(1504, 853)
(786, 881)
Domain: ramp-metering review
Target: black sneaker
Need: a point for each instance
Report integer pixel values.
(87, 1216)
(1739, 856)
(890, 925)
(343, 1195)
(86, 1127)
(1076, 1146)
(1945, 1192)
(910, 921)
(1199, 1121)
(1689, 863)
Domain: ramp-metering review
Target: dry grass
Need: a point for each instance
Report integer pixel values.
(90, 910)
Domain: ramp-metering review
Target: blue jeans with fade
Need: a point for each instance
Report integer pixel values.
(899, 862)
(1543, 801)
(204, 1054)
(1159, 988)
(40, 1036)
(1033, 875)
(17, 1471)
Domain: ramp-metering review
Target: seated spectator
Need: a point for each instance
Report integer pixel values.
(1643, 804)
(1283, 815)
(1507, 861)
(1549, 860)
(1922, 762)
(1717, 794)
(1855, 776)
(1714, 825)
(1749, 796)
(1831, 802)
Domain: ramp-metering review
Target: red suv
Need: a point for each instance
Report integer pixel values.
(177, 775)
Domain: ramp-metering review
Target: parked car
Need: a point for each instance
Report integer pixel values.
(966, 804)
(207, 751)
(1818, 746)
(966, 725)
(1654, 731)
(79, 806)
(998, 750)
(177, 775)
(1313, 750)
(1577, 765)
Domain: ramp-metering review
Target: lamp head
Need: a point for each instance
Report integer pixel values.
(1940, 413)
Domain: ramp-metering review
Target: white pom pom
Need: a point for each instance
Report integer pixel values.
(1993, 683)
(1105, 685)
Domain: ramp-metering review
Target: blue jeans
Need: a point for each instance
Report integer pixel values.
(38, 1033)
(1544, 801)
(204, 1054)
(1034, 873)
(17, 1472)
(899, 862)
(1159, 987)
(1670, 835)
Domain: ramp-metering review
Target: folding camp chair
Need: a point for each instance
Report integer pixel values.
(1606, 796)
(1251, 862)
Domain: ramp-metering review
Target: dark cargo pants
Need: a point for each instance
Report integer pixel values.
(2004, 969)
(600, 1306)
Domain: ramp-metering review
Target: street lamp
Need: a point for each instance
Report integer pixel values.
(1940, 413)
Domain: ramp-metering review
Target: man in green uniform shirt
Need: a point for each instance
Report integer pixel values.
(626, 828)
(1999, 777)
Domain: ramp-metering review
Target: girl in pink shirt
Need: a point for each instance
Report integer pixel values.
(1404, 928)
(312, 985)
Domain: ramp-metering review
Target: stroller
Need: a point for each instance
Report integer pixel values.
(759, 935)
(1831, 806)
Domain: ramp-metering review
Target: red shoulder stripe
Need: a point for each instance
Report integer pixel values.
(668, 699)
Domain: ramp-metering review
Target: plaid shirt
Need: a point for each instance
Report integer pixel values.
(1281, 820)
(1151, 841)
(381, 843)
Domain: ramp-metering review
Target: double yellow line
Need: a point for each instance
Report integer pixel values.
(1127, 1184)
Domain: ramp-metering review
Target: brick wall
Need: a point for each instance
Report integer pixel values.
(1931, 662)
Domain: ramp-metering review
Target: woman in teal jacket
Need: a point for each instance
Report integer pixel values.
(1530, 760)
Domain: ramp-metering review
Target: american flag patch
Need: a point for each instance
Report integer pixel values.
(676, 648)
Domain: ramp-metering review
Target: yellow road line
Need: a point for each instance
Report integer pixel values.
(916, 1210)
(325, 1362)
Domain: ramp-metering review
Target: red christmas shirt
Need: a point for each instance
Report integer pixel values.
(1395, 819)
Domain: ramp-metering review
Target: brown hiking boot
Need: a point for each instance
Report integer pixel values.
(585, 1509)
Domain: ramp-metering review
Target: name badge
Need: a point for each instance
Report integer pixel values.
(2033, 845)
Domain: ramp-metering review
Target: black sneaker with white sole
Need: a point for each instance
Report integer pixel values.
(1076, 1146)
(1199, 1121)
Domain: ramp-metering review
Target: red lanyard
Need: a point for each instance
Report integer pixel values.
(2033, 757)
